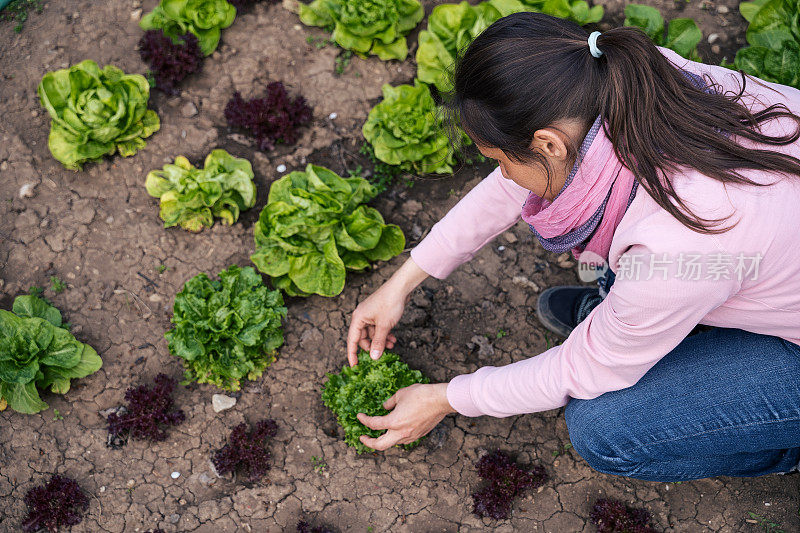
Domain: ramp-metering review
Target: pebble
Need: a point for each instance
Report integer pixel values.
(174, 518)
(183, 134)
(175, 475)
(109, 220)
(27, 190)
(715, 49)
(510, 237)
(713, 38)
(525, 282)
(103, 489)
(501, 248)
(333, 116)
(155, 298)
(281, 168)
(136, 14)
(4, 165)
(722, 10)
(189, 110)
(220, 402)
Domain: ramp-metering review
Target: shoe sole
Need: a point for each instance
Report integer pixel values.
(543, 311)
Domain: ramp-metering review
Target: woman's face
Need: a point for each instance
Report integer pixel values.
(531, 176)
(552, 143)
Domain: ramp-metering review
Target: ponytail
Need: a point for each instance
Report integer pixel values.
(529, 70)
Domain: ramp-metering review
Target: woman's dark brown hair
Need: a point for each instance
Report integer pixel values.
(529, 70)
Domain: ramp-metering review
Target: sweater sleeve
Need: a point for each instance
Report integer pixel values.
(639, 322)
(490, 208)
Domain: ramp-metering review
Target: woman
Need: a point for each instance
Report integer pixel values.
(683, 180)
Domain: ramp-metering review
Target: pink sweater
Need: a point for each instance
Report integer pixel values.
(644, 317)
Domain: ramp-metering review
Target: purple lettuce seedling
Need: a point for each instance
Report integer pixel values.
(60, 502)
(246, 450)
(170, 62)
(272, 119)
(149, 410)
(505, 480)
(305, 527)
(613, 516)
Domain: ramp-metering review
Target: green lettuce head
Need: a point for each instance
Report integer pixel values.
(315, 227)
(204, 18)
(375, 27)
(192, 197)
(406, 130)
(38, 352)
(774, 38)
(96, 112)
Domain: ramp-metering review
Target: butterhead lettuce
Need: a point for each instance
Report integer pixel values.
(405, 130)
(38, 352)
(315, 227)
(204, 18)
(376, 27)
(94, 112)
(193, 197)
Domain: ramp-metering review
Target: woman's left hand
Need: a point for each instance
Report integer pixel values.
(415, 410)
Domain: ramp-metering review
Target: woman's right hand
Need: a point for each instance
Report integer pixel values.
(374, 318)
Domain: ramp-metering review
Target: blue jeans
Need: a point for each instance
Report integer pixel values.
(724, 402)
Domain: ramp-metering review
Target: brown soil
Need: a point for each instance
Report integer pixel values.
(99, 231)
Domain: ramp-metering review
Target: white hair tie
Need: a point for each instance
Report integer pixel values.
(596, 52)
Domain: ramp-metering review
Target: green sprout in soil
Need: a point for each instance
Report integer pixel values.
(57, 415)
(17, 11)
(56, 285)
(161, 268)
(382, 174)
(318, 464)
(561, 451)
(501, 333)
(768, 525)
(343, 61)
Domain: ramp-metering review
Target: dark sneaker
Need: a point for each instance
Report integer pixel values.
(560, 309)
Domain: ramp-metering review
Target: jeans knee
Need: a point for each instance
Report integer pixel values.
(596, 438)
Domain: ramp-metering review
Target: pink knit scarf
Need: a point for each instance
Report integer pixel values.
(598, 175)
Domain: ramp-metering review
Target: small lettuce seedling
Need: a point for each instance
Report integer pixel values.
(363, 389)
(170, 60)
(613, 516)
(504, 481)
(59, 503)
(273, 119)
(246, 451)
(149, 411)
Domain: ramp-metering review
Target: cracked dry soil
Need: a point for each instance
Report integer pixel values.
(99, 231)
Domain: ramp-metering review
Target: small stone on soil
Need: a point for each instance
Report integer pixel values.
(713, 38)
(175, 475)
(281, 168)
(220, 402)
(27, 190)
(189, 110)
(722, 10)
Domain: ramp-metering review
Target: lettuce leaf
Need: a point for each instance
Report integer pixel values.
(363, 389)
(681, 34)
(226, 330)
(314, 228)
(36, 352)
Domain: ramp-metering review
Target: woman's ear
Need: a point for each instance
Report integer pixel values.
(550, 142)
